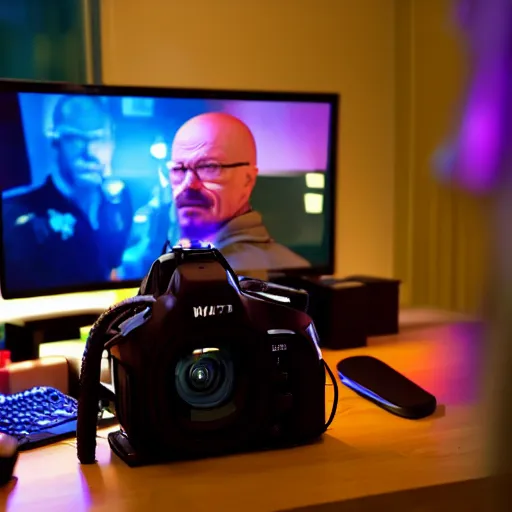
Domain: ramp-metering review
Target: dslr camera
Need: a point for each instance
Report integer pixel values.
(204, 363)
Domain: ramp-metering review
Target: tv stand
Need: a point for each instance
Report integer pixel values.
(29, 322)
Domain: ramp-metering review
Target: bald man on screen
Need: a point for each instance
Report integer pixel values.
(213, 173)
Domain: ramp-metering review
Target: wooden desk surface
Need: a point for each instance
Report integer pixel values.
(365, 452)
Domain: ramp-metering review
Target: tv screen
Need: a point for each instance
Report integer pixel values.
(95, 180)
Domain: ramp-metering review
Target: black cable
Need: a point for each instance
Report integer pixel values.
(335, 403)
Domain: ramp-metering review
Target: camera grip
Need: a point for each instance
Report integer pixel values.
(90, 375)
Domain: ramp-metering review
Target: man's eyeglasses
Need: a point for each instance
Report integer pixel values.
(204, 171)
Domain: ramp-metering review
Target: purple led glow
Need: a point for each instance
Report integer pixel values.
(480, 135)
(290, 137)
(478, 153)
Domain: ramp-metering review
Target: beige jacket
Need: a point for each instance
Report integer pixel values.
(251, 251)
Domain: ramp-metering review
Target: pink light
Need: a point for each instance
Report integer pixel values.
(290, 137)
(480, 143)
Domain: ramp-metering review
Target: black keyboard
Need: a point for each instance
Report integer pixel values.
(38, 416)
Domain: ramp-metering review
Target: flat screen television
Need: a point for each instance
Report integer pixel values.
(95, 179)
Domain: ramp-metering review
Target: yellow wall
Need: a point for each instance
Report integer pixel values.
(399, 67)
(440, 231)
(343, 46)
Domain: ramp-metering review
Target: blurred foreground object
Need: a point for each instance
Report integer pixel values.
(480, 160)
(476, 159)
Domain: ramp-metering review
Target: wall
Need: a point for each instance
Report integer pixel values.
(305, 45)
(440, 234)
(400, 69)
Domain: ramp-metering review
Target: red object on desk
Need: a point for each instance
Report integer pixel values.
(5, 361)
(5, 358)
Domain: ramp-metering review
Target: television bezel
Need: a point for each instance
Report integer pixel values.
(333, 99)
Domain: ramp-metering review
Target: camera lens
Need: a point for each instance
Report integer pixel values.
(205, 378)
(199, 377)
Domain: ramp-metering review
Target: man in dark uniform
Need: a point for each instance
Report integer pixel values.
(73, 229)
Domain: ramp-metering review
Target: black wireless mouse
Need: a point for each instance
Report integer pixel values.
(8, 457)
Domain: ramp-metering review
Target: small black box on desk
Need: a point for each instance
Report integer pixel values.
(338, 310)
(348, 310)
(383, 303)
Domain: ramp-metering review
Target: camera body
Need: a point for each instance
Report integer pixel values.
(209, 364)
